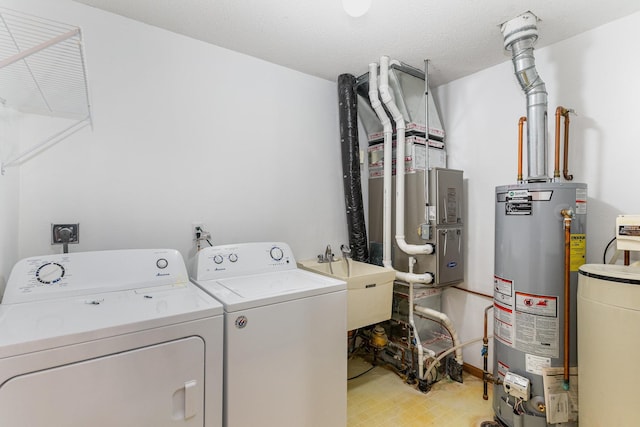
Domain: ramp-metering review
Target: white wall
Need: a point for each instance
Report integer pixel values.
(9, 184)
(594, 73)
(185, 132)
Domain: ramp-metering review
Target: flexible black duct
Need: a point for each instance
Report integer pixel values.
(348, 113)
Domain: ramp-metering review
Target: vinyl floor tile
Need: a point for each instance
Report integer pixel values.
(380, 398)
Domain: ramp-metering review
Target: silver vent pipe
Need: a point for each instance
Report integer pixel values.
(520, 34)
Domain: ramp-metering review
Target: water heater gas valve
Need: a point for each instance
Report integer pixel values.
(516, 386)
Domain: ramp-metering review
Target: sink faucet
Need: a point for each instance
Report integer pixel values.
(327, 257)
(346, 253)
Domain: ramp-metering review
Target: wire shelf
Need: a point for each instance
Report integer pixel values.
(42, 71)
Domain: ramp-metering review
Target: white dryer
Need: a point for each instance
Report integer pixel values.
(285, 361)
(111, 338)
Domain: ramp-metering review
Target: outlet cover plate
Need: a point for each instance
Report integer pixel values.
(56, 238)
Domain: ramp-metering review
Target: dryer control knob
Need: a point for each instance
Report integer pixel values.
(218, 259)
(276, 253)
(162, 263)
(233, 257)
(50, 273)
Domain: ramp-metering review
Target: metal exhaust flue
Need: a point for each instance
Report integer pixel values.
(520, 34)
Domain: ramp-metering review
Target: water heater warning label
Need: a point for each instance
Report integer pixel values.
(581, 201)
(503, 290)
(503, 324)
(578, 250)
(536, 324)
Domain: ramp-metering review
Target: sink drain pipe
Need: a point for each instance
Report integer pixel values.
(350, 147)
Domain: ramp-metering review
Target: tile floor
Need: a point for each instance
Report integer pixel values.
(380, 398)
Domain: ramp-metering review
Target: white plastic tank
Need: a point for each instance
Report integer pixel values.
(608, 345)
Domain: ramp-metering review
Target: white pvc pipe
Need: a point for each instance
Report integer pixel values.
(387, 164)
(388, 101)
(446, 353)
(416, 335)
(447, 323)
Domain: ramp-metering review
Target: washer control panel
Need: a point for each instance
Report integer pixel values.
(218, 262)
(82, 273)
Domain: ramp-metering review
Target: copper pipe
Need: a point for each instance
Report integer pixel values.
(567, 214)
(565, 171)
(627, 259)
(556, 170)
(520, 130)
(480, 294)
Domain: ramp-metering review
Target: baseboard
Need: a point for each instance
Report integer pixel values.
(472, 370)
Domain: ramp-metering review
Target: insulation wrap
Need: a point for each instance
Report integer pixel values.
(348, 115)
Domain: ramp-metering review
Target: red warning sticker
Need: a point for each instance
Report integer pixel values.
(539, 305)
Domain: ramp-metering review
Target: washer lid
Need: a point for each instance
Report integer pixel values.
(35, 326)
(245, 292)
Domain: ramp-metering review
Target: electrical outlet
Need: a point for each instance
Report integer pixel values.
(56, 237)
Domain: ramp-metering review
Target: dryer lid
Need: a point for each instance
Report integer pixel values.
(84, 273)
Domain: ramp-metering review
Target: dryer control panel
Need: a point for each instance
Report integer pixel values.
(241, 259)
(83, 273)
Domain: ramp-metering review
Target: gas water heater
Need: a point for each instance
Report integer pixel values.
(540, 242)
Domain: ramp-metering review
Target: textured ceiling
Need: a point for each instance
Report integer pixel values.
(317, 37)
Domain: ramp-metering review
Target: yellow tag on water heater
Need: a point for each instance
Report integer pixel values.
(578, 250)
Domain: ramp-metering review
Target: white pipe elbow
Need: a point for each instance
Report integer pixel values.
(426, 249)
(425, 278)
(448, 324)
(375, 100)
(385, 93)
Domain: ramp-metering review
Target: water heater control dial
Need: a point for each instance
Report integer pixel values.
(276, 253)
(50, 273)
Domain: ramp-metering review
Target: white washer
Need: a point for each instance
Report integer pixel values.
(285, 360)
(112, 338)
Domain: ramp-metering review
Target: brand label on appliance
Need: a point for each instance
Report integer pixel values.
(241, 322)
(518, 202)
(629, 230)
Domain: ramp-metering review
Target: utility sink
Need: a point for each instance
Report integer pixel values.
(369, 289)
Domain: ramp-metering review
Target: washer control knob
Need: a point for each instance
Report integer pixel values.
(162, 263)
(233, 257)
(276, 253)
(50, 273)
(218, 259)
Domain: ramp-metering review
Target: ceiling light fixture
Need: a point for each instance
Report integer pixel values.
(356, 8)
